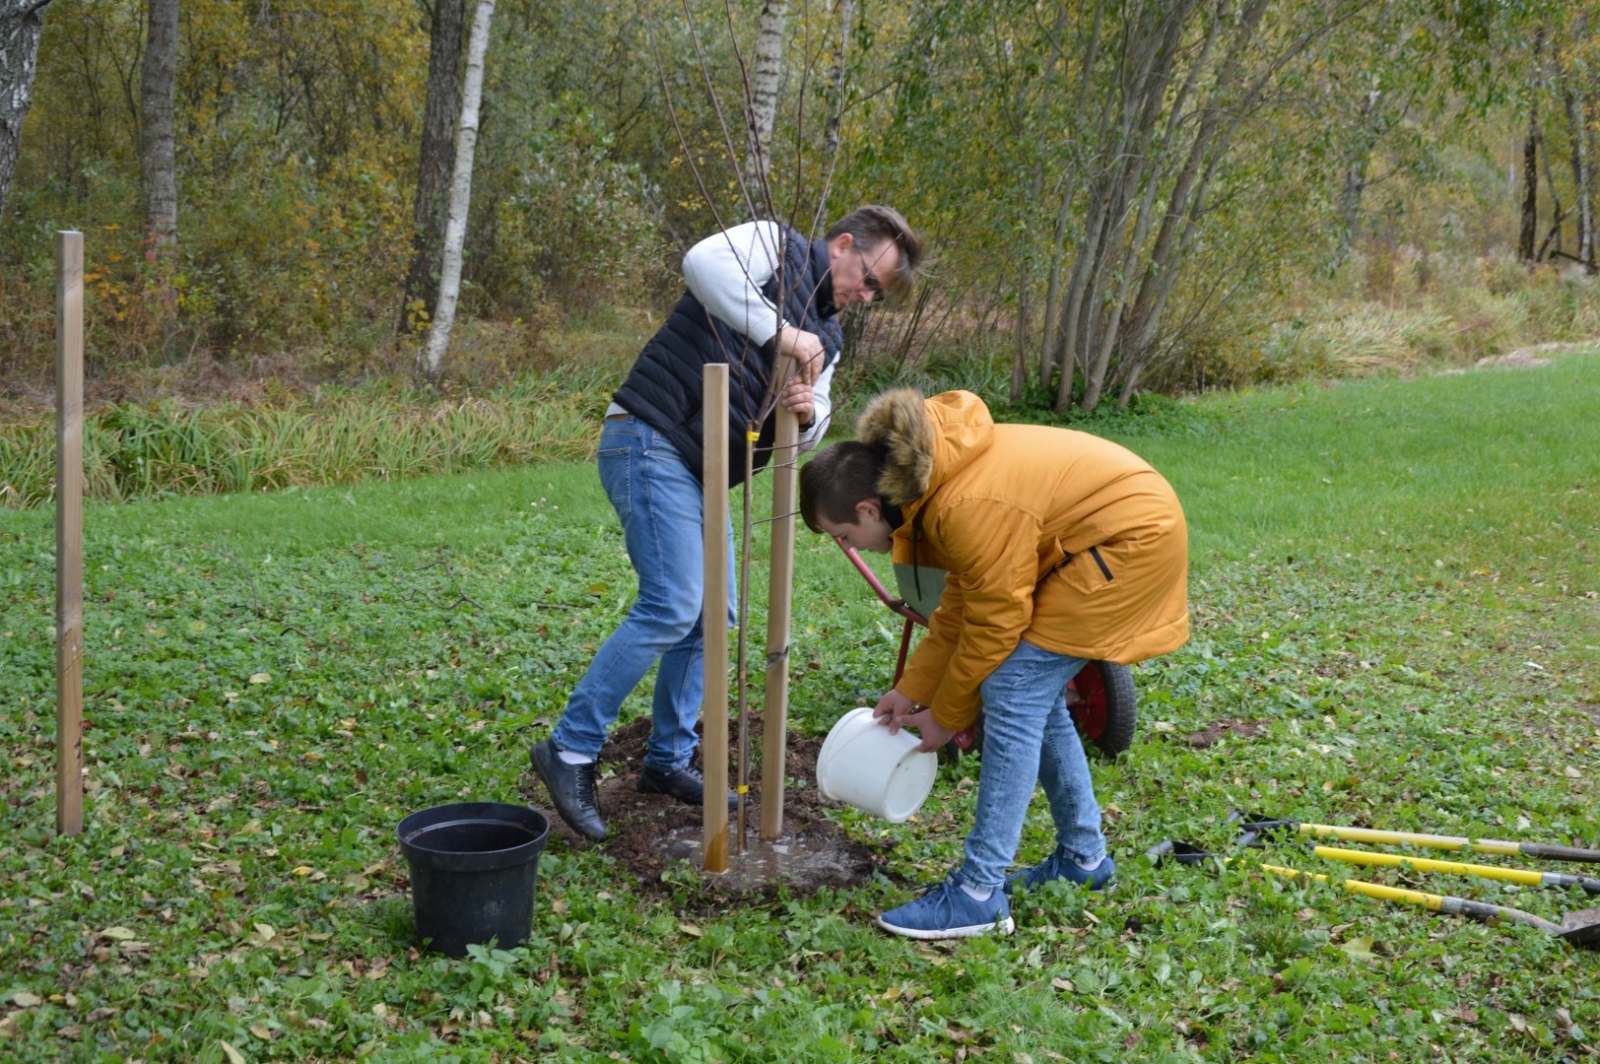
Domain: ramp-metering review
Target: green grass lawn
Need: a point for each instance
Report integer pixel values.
(1394, 586)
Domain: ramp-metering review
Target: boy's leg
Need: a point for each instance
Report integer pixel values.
(1064, 774)
(1018, 698)
(660, 502)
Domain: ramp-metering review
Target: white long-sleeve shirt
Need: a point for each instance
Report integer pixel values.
(726, 272)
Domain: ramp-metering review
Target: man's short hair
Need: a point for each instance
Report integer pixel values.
(841, 475)
(874, 224)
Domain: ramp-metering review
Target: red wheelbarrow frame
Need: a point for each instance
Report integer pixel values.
(1095, 706)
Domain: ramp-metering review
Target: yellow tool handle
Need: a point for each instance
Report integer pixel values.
(1428, 864)
(1436, 842)
(1372, 890)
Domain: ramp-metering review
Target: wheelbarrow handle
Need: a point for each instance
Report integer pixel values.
(897, 605)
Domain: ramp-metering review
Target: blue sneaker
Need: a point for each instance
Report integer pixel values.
(946, 911)
(1061, 866)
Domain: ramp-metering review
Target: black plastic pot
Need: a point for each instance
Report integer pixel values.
(474, 866)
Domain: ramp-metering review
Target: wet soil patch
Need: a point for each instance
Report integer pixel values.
(652, 834)
(1223, 729)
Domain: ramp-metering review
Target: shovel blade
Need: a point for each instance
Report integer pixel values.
(1582, 928)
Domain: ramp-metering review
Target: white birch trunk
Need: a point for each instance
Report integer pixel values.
(19, 62)
(455, 232)
(764, 99)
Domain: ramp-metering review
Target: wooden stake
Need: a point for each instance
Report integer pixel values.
(69, 533)
(714, 715)
(780, 598)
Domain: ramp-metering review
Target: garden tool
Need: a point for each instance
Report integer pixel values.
(1549, 852)
(1528, 877)
(1581, 928)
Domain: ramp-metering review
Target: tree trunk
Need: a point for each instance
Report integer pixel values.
(836, 84)
(1580, 174)
(1530, 167)
(764, 103)
(1530, 189)
(19, 62)
(455, 232)
(158, 164)
(433, 179)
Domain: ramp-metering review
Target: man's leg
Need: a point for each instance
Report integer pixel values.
(680, 688)
(648, 485)
(660, 502)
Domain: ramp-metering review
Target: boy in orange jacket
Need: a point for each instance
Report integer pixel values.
(1058, 548)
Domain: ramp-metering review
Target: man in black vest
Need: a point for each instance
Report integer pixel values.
(756, 292)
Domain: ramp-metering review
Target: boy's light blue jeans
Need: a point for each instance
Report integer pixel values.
(1028, 735)
(661, 505)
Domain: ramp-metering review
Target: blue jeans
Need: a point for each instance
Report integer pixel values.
(1028, 735)
(661, 505)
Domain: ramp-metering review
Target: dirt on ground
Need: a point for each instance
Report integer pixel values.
(652, 834)
(1219, 730)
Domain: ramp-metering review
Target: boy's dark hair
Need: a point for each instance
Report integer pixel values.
(841, 475)
(871, 226)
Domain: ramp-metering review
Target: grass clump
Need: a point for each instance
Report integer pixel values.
(141, 452)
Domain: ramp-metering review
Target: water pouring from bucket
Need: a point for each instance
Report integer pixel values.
(878, 773)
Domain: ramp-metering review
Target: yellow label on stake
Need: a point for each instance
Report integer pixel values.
(744, 788)
(752, 436)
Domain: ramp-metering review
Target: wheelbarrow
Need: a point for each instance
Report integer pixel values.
(1101, 697)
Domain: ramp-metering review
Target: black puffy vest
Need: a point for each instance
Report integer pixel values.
(664, 388)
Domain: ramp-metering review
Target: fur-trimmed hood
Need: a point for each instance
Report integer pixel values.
(925, 441)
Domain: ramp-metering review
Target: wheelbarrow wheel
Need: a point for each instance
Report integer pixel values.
(1106, 711)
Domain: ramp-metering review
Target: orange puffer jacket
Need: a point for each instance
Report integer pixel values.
(1060, 538)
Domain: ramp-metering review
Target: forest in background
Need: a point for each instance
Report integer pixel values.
(1121, 194)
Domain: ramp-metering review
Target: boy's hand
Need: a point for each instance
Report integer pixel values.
(897, 711)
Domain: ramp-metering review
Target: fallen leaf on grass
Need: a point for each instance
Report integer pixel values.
(1361, 949)
(233, 1055)
(23, 999)
(690, 929)
(117, 934)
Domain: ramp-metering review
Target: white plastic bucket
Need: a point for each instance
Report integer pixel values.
(878, 773)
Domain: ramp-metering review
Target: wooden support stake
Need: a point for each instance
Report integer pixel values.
(714, 715)
(780, 599)
(69, 533)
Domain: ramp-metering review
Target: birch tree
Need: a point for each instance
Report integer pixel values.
(763, 108)
(455, 232)
(433, 179)
(158, 167)
(20, 21)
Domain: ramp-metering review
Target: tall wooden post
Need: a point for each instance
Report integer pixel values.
(780, 598)
(69, 533)
(714, 715)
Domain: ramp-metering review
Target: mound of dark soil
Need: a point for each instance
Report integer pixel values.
(651, 833)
